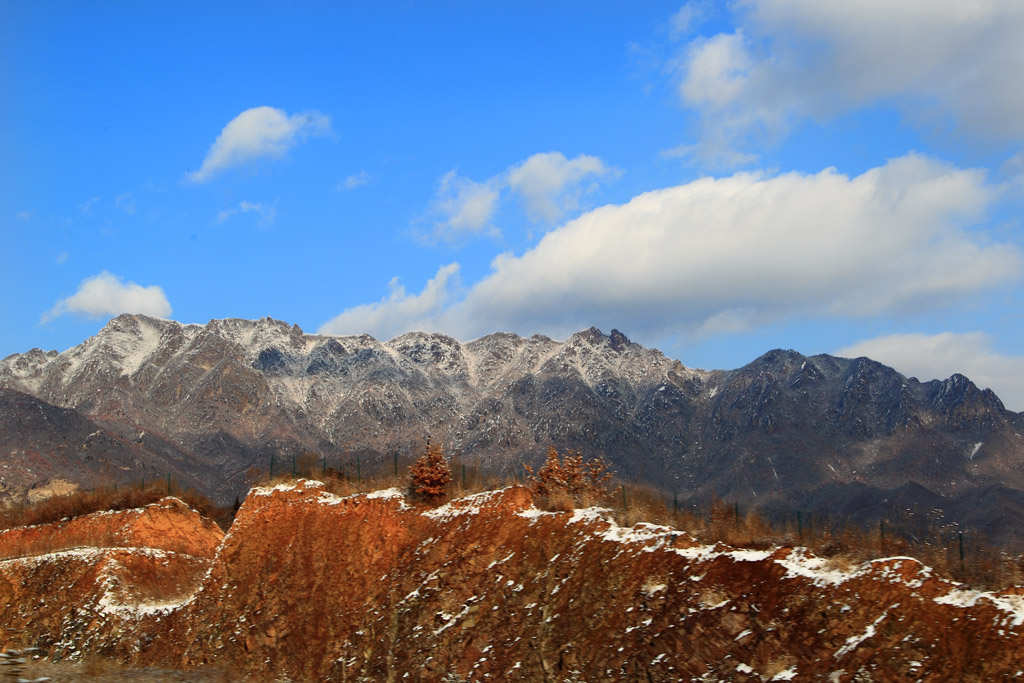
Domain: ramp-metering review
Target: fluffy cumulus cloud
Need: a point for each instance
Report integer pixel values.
(739, 251)
(550, 184)
(938, 356)
(259, 133)
(722, 255)
(399, 311)
(942, 62)
(107, 294)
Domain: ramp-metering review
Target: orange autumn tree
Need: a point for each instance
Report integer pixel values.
(570, 476)
(430, 474)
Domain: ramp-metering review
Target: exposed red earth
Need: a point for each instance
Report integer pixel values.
(310, 586)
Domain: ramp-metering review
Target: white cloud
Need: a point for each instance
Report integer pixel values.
(25, 215)
(719, 256)
(941, 62)
(463, 207)
(125, 202)
(258, 133)
(399, 311)
(712, 251)
(87, 206)
(716, 70)
(266, 214)
(354, 181)
(940, 355)
(551, 185)
(107, 294)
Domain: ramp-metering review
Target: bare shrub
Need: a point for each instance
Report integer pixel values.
(584, 482)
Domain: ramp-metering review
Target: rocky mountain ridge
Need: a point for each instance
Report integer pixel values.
(820, 433)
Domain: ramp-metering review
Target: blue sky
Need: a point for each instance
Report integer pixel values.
(712, 179)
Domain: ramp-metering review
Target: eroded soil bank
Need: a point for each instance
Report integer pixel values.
(309, 586)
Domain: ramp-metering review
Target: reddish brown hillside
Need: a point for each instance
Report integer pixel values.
(166, 525)
(312, 586)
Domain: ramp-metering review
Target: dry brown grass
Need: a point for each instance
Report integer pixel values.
(109, 498)
(845, 543)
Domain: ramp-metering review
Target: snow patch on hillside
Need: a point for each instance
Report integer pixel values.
(1011, 605)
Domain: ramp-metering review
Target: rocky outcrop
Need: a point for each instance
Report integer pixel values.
(311, 586)
(169, 525)
(86, 585)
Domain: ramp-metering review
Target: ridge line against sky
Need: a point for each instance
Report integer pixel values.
(714, 180)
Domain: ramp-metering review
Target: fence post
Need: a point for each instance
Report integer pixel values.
(961, 534)
(799, 526)
(396, 465)
(736, 509)
(359, 472)
(675, 503)
(271, 465)
(624, 507)
(463, 476)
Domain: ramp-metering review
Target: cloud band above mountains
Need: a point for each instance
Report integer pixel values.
(107, 294)
(730, 254)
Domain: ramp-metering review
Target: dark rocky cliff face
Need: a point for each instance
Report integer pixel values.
(777, 432)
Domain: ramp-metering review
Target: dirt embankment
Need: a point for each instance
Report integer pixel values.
(310, 586)
(168, 524)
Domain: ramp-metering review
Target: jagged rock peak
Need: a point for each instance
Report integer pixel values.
(778, 358)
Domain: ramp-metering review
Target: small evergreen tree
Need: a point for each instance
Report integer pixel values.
(430, 474)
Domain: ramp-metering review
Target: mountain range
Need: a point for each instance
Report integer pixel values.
(148, 398)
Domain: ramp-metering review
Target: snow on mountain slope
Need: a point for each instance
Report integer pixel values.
(839, 436)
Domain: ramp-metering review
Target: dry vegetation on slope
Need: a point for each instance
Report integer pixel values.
(311, 585)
